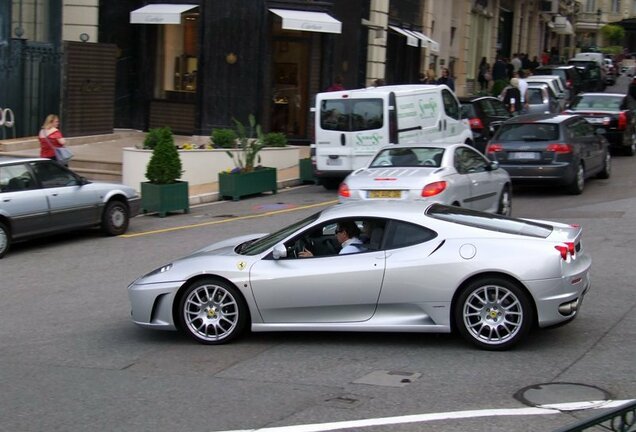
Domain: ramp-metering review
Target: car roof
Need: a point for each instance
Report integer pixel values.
(471, 99)
(546, 67)
(422, 145)
(407, 210)
(541, 118)
(7, 159)
(601, 94)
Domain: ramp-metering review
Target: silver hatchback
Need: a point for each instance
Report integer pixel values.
(39, 197)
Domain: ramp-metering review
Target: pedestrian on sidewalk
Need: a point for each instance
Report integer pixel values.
(50, 137)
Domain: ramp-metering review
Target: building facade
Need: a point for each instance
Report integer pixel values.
(194, 65)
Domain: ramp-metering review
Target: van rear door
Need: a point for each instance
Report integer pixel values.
(349, 130)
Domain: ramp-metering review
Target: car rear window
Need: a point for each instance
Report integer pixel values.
(527, 132)
(488, 221)
(348, 115)
(468, 110)
(597, 102)
(408, 157)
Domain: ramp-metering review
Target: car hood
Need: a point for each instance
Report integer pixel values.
(391, 178)
(222, 247)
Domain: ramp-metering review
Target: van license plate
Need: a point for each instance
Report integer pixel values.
(385, 194)
(334, 162)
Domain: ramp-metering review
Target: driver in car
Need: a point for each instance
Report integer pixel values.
(347, 234)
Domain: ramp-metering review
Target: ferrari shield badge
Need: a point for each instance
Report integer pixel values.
(241, 265)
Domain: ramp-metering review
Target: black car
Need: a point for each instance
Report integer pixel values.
(484, 114)
(591, 73)
(551, 148)
(614, 112)
(570, 77)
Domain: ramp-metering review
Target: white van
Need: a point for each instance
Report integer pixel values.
(351, 125)
(599, 58)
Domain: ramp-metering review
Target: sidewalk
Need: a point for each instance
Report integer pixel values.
(106, 150)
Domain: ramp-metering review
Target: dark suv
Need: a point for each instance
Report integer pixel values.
(569, 75)
(593, 76)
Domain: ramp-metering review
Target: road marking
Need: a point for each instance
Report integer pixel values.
(451, 415)
(238, 218)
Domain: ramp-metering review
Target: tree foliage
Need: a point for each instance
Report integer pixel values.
(164, 166)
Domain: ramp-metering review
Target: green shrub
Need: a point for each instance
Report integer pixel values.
(275, 139)
(152, 138)
(223, 138)
(164, 166)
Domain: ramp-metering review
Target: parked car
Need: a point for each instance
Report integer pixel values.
(557, 86)
(39, 197)
(425, 268)
(484, 114)
(614, 112)
(592, 74)
(569, 75)
(541, 99)
(551, 149)
(454, 174)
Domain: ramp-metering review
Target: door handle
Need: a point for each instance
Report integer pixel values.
(6, 200)
(342, 139)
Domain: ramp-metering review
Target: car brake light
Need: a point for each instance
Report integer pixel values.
(344, 191)
(475, 123)
(568, 84)
(559, 148)
(622, 120)
(494, 148)
(433, 189)
(567, 250)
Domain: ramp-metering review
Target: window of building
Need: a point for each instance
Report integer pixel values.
(590, 6)
(616, 6)
(634, 8)
(177, 59)
(30, 20)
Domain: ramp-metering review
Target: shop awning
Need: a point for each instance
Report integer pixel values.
(425, 41)
(411, 40)
(308, 21)
(562, 25)
(160, 13)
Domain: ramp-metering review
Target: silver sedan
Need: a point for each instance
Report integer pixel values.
(454, 174)
(418, 268)
(40, 197)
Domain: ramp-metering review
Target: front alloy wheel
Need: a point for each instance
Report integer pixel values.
(493, 314)
(212, 312)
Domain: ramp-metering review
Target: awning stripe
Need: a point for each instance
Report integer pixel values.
(411, 40)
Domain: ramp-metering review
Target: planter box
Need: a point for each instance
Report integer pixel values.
(238, 185)
(306, 171)
(164, 198)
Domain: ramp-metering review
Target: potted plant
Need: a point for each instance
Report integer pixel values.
(163, 192)
(247, 178)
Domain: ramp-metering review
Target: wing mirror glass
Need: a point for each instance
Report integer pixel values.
(279, 251)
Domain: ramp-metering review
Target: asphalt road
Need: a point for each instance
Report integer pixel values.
(71, 360)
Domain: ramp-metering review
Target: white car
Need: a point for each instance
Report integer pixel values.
(453, 174)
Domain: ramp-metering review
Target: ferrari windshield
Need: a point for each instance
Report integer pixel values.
(264, 243)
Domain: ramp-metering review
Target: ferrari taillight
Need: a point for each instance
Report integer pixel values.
(344, 191)
(566, 249)
(433, 189)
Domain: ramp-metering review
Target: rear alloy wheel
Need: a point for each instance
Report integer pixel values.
(5, 239)
(493, 313)
(631, 150)
(115, 218)
(578, 184)
(212, 312)
(505, 202)
(606, 172)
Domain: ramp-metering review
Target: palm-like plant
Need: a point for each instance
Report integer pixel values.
(248, 145)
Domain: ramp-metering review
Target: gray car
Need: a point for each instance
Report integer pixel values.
(541, 99)
(39, 197)
(454, 174)
(421, 268)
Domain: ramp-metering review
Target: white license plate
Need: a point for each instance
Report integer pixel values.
(334, 162)
(524, 155)
(594, 120)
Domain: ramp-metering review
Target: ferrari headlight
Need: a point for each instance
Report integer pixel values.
(160, 270)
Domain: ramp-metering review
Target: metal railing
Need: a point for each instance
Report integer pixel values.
(621, 419)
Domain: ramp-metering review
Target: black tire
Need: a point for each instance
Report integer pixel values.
(330, 184)
(504, 207)
(578, 184)
(631, 149)
(606, 172)
(493, 314)
(211, 312)
(115, 218)
(5, 239)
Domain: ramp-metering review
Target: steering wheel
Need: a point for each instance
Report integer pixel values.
(298, 246)
(429, 162)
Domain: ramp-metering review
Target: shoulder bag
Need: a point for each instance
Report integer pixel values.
(62, 154)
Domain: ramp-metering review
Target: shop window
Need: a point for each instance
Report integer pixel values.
(177, 59)
(290, 80)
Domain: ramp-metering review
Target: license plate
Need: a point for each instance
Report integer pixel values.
(333, 162)
(524, 155)
(594, 120)
(385, 194)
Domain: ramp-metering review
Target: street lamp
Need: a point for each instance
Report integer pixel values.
(598, 26)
